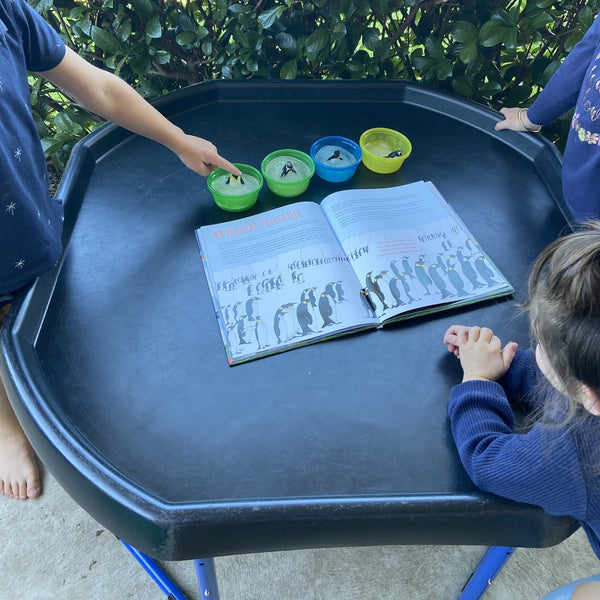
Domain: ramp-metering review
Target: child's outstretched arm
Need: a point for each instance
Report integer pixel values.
(480, 352)
(111, 98)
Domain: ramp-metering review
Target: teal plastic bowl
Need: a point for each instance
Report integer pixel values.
(230, 193)
(287, 172)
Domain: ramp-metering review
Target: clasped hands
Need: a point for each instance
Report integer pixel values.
(480, 352)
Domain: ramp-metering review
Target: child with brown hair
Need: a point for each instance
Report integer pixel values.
(556, 463)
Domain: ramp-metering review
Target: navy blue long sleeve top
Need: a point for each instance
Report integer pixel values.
(554, 467)
(576, 83)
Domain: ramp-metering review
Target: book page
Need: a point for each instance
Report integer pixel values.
(410, 250)
(280, 279)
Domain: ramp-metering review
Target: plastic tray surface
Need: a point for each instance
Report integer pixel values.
(116, 368)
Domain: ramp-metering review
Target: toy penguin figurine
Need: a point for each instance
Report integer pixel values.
(335, 156)
(235, 180)
(289, 166)
(394, 154)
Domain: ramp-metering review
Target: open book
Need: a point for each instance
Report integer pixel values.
(307, 271)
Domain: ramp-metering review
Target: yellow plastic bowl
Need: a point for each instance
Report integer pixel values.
(378, 143)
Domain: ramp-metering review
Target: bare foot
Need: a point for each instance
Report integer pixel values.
(19, 473)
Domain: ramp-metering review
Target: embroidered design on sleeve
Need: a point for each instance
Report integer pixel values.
(10, 209)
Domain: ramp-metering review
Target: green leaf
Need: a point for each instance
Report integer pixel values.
(317, 40)
(462, 86)
(355, 66)
(550, 70)
(185, 22)
(489, 88)
(468, 53)
(289, 70)
(540, 20)
(241, 37)
(286, 42)
(444, 69)
(573, 40)
(373, 69)
(339, 31)
(510, 38)
(124, 30)
(252, 64)
(64, 122)
(382, 50)
(162, 57)
(492, 33)
(371, 38)
(153, 27)
(422, 63)
(143, 8)
(185, 38)
(363, 8)
(105, 40)
(362, 56)
(347, 7)
(585, 17)
(267, 18)
(220, 12)
(42, 6)
(518, 95)
(464, 32)
(435, 48)
(141, 64)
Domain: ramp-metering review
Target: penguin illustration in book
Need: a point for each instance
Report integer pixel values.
(422, 275)
(326, 308)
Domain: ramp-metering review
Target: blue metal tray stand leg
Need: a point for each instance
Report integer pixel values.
(491, 564)
(481, 579)
(158, 575)
(207, 578)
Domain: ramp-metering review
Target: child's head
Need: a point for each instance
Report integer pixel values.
(564, 308)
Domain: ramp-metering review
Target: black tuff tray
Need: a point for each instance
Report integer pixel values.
(116, 369)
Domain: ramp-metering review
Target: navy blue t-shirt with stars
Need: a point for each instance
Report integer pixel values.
(30, 220)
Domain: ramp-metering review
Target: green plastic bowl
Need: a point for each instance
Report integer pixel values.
(235, 196)
(378, 143)
(285, 182)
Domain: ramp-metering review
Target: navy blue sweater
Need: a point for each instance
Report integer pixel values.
(553, 467)
(30, 220)
(576, 83)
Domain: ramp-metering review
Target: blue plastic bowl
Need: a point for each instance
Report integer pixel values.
(335, 157)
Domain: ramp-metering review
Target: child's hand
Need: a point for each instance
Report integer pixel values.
(201, 156)
(480, 352)
(512, 121)
(451, 338)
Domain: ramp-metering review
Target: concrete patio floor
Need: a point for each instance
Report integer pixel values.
(52, 549)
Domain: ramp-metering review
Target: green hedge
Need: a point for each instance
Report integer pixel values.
(494, 52)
